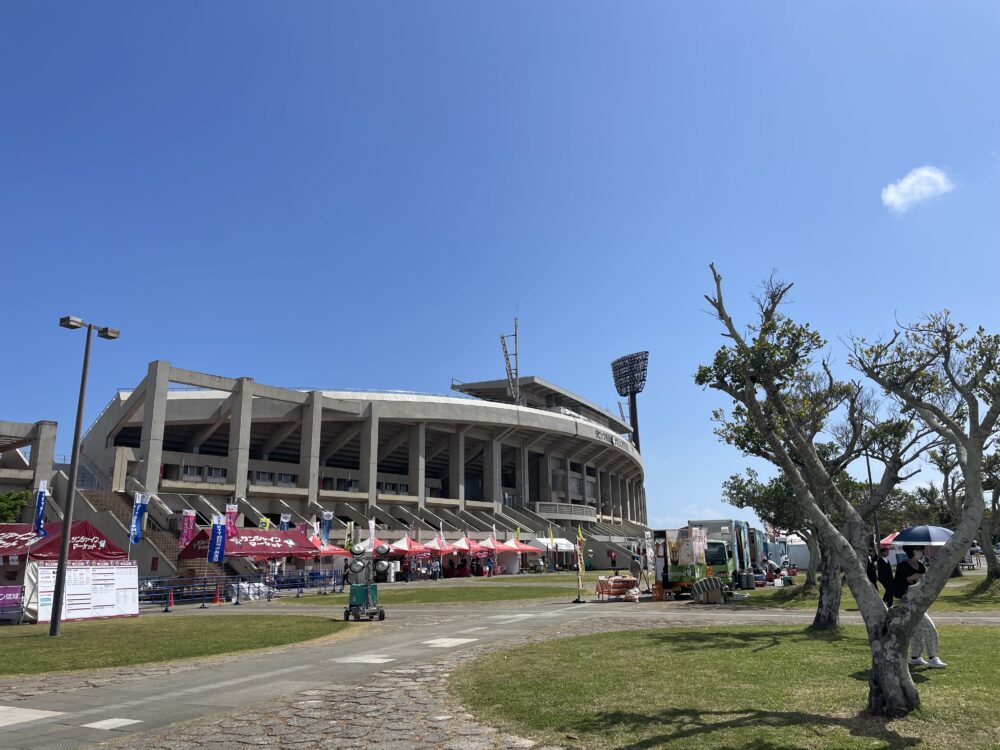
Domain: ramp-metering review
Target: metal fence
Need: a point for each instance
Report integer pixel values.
(205, 590)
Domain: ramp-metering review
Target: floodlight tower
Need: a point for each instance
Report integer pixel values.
(630, 378)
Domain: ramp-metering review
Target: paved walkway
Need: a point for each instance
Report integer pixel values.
(382, 685)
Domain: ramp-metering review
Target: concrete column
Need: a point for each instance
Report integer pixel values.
(523, 481)
(566, 473)
(368, 464)
(312, 427)
(598, 492)
(492, 480)
(630, 486)
(615, 490)
(43, 453)
(240, 419)
(154, 415)
(624, 499)
(456, 467)
(418, 463)
(545, 490)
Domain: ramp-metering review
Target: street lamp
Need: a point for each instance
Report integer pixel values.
(630, 378)
(103, 332)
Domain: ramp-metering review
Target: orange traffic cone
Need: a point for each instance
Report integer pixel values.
(217, 599)
(170, 601)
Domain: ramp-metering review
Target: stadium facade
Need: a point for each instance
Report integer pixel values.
(467, 462)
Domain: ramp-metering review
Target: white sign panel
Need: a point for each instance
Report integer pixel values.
(94, 589)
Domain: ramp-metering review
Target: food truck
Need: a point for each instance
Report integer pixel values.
(684, 556)
(737, 534)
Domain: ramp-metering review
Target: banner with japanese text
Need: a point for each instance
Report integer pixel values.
(189, 520)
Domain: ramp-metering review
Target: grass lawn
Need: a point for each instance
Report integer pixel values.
(958, 595)
(116, 643)
(430, 594)
(766, 687)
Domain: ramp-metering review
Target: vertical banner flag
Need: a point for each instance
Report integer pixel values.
(517, 534)
(441, 532)
(217, 542)
(494, 532)
(139, 506)
(325, 527)
(349, 535)
(39, 526)
(579, 561)
(371, 533)
(232, 510)
(264, 524)
(552, 546)
(283, 524)
(188, 519)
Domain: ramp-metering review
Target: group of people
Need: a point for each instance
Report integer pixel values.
(896, 585)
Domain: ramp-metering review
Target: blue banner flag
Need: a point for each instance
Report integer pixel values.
(217, 543)
(326, 526)
(39, 526)
(283, 523)
(138, 511)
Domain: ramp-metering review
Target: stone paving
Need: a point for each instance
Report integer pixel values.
(409, 706)
(402, 709)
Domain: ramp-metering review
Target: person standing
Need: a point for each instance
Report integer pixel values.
(884, 569)
(870, 569)
(925, 636)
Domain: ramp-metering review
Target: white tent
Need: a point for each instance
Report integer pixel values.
(561, 545)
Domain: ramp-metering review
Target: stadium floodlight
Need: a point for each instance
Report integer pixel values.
(629, 373)
(58, 594)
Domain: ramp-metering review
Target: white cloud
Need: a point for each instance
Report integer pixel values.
(918, 185)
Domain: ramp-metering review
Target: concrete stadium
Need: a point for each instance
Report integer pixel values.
(465, 462)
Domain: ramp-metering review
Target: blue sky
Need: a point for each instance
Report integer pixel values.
(320, 194)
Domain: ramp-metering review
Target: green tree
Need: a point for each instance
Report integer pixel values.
(12, 505)
(767, 369)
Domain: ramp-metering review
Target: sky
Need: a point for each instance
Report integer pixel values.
(362, 195)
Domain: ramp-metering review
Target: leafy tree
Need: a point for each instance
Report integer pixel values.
(770, 371)
(12, 505)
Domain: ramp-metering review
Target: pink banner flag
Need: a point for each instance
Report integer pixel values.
(188, 520)
(232, 511)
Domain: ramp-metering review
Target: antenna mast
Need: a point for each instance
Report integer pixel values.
(513, 372)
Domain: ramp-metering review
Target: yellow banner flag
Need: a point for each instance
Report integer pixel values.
(517, 534)
(265, 523)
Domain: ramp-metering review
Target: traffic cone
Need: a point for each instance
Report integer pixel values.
(170, 601)
(217, 599)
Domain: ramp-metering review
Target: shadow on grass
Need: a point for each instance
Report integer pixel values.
(786, 595)
(680, 724)
(983, 592)
(758, 639)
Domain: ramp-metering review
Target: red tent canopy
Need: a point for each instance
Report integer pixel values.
(256, 543)
(15, 538)
(327, 549)
(494, 546)
(888, 540)
(467, 545)
(513, 545)
(438, 545)
(407, 546)
(85, 543)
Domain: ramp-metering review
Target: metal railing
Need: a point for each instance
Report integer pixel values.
(564, 509)
(205, 590)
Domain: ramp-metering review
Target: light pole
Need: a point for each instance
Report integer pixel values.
(57, 596)
(629, 373)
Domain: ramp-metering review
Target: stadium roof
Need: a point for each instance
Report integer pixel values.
(540, 393)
